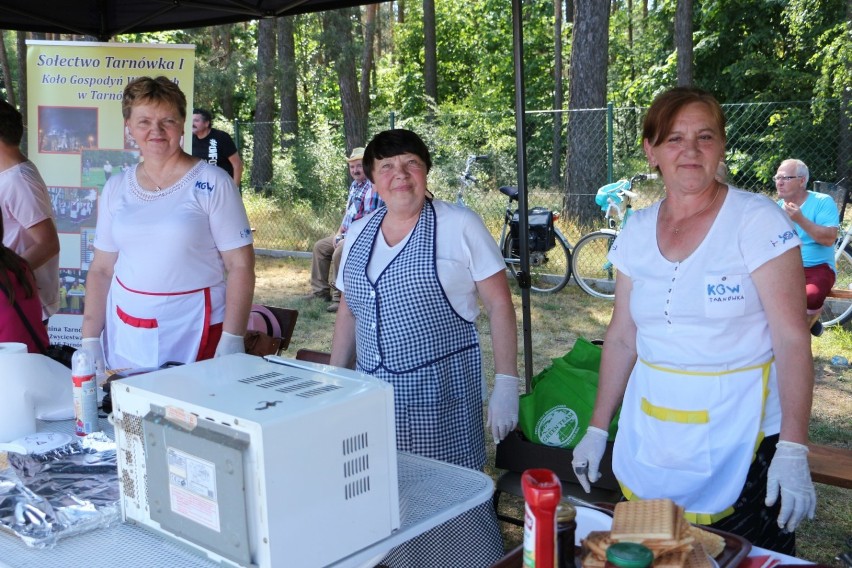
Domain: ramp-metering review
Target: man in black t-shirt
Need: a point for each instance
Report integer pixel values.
(214, 146)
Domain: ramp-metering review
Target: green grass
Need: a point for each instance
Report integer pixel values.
(556, 321)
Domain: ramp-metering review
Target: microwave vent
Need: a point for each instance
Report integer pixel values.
(261, 377)
(356, 468)
(133, 457)
(318, 391)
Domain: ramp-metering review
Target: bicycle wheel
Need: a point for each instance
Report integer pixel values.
(592, 271)
(838, 311)
(549, 271)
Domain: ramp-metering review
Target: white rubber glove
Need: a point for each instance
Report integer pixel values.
(93, 346)
(587, 457)
(789, 472)
(503, 407)
(230, 343)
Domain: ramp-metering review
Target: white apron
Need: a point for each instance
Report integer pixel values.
(690, 435)
(147, 329)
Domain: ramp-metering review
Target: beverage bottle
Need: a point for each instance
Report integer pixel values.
(85, 393)
(542, 492)
(566, 526)
(628, 555)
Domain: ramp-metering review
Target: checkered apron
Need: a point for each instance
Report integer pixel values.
(408, 334)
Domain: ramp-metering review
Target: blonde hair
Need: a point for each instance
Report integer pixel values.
(160, 90)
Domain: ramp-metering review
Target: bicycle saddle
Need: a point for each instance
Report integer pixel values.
(510, 191)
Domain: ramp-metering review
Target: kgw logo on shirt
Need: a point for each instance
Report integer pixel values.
(204, 185)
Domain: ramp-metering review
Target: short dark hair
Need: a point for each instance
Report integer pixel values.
(205, 114)
(390, 143)
(160, 90)
(11, 124)
(660, 118)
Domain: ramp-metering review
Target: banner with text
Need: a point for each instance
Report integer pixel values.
(76, 138)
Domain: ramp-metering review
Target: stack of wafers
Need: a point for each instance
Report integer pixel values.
(660, 525)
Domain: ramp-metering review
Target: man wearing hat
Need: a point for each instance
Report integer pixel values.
(327, 251)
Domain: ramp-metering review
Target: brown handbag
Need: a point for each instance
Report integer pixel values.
(261, 344)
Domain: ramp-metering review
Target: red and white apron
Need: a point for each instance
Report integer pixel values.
(690, 435)
(147, 329)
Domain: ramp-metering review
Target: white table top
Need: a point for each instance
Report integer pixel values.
(430, 493)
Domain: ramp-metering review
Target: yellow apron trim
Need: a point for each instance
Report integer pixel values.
(764, 366)
(707, 519)
(673, 415)
(694, 518)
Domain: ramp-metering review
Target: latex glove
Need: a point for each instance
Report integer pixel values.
(93, 346)
(230, 343)
(503, 407)
(587, 457)
(789, 472)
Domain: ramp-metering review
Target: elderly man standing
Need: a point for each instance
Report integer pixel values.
(816, 218)
(327, 252)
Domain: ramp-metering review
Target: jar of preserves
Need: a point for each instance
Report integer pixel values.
(628, 555)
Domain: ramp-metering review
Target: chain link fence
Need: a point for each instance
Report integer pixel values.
(297, 195)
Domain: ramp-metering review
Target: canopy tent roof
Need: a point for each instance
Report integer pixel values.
(103, 19)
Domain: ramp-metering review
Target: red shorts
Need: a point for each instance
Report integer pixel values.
(818, 282)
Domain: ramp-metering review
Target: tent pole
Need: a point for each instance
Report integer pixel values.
(523, 220)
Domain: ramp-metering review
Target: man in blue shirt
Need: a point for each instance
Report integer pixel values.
(816, 218)
(327, 252)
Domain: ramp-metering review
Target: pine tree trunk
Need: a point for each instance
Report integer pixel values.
(289, 117)
(683, 42)
(341, 48)
(587, 143)
(556, 150)
(261, 167)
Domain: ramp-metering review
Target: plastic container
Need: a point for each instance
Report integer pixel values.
(85, 393)
(566, 526)
(542, 492)
(628, 555)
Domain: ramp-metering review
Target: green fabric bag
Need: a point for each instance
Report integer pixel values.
(557, 410)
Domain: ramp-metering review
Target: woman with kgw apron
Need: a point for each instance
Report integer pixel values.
(707, 344)
(172, 276)
(411, 275)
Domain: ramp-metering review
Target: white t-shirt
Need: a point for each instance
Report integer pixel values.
(703, 313)
(25, 203)
(466, 253)
(172, 243)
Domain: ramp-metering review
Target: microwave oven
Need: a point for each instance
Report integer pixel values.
(259, 462)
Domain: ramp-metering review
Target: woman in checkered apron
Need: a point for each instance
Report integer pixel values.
(412, 274)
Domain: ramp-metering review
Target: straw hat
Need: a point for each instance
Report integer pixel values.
(357, 154)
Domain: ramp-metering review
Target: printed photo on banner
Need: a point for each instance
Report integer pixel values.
(67, 130)
(74, 207)
(72, 291)
(97, 166)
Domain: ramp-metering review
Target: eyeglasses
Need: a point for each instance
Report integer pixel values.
(786, 178)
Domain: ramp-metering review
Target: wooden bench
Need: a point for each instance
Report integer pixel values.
(830, 465)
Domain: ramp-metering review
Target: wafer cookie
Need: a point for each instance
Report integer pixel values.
(636, 521)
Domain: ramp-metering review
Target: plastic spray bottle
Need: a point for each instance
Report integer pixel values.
(85, 393)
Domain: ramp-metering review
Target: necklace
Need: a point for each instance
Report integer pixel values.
(676, 229)
(147, 175)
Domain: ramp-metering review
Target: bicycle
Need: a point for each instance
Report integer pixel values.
(549, 250)
(592, 271)
(837, 309)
